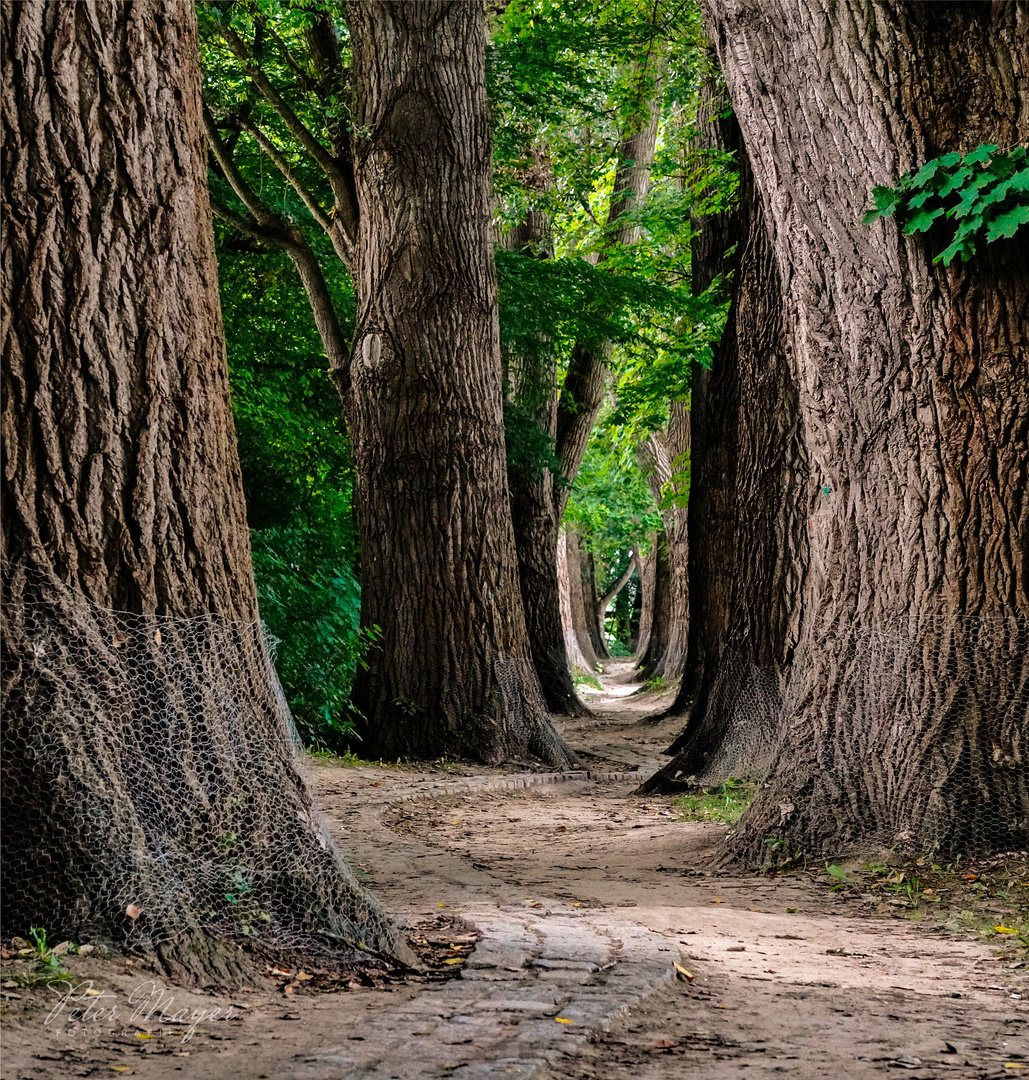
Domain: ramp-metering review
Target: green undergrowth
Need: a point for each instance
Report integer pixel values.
(988, 898)
(724, 804)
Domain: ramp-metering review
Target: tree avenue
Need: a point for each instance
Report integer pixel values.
(906, 713)
(151, 789)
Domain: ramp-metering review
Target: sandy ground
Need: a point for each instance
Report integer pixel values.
(788, 977)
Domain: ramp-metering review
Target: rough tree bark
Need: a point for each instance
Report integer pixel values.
(580, 620)
(748, 502)
(451, 672)
(148, 767)
(906, 712)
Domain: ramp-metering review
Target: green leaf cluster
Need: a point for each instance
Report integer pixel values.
(985, 193)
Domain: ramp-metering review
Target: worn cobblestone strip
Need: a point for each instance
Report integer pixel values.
(533, 990)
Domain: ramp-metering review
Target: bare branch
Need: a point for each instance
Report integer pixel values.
(328, 164)
(279, 161)
(247, 196)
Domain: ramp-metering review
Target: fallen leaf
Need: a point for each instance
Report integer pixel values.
(443, 905)
(119, 641)
(133, 912)
(791, 911)
(562, 1020)
(143, 1035)
(562, 828)
(301, 975)
(1015, 1065)
(157, 637)
(93, 993)
(717, 901)
(287, 989)
(683, 973)
(377, 783)
(277, 971)
(1004, 930)
(119, 1068)
(454, 960)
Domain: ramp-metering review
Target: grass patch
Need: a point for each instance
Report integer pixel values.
(724, 804)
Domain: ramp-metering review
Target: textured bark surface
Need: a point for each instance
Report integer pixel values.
(452, 673)
(137, 740)
(906, 713)
(748, 504)
(646, 569)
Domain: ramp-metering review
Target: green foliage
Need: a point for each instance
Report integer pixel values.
(310, 602)
(618, 650)
(985, 192)
(725, 803)
(298, 482)
(49, 962)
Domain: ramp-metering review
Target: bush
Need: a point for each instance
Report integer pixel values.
(311, 603)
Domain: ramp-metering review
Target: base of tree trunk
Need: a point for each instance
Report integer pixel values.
(913, 736)
(151, 766)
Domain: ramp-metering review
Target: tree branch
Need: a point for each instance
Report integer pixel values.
(346, 208)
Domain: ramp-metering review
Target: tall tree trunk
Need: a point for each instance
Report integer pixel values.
(451, 672)
(646, 569)
(611, 593)
(666, 652)
(567, 569)
(580, 614)
(906, 712)
(748, 505)
(533, 511)
(152, 792)
(591, 602)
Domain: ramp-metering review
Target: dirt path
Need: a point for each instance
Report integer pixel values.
(583, 898)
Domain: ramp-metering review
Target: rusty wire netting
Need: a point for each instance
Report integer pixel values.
(153, 790)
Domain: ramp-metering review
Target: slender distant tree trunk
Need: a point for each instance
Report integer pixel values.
(580, 617)
(748, 504)
(636, 618)
(611, 593)
(591, 602)
(666, 652)
(647, 572)
(533, 510)
(452, 671)
(567, 565)
(151, 789)
(907, 705)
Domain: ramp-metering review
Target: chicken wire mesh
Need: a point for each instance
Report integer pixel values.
(153, 790)
(913, 733)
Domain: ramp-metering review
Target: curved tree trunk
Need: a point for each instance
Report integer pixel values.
(533, 510)
(591, 603)
(612, 592)
(906, 712)
(748, 508)
(666, 652)
(646, 570)
(152, 793)
(452, 671)
(579, 618)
